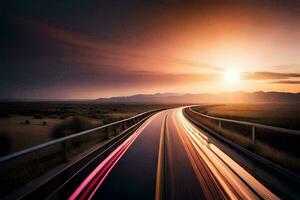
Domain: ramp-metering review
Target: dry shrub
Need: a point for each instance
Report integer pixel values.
(70, 126)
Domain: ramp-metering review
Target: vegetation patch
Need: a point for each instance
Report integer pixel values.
(70, 126)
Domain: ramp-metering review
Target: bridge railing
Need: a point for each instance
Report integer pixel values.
(19, 168)
(278, 144)
(253, 125)
(64, 140)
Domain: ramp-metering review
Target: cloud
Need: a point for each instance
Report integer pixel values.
(268, 75)
(78, 84)
(103, 51)
(286, 82)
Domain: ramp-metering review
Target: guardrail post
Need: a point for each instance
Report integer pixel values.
(64, 151)
(106, 132)
(220, 124)
(116, 130)
(253, 135)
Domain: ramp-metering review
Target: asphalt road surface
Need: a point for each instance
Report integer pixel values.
(169, 158)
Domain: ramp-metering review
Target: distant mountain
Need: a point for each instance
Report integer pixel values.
(179, 98)
(228, 97)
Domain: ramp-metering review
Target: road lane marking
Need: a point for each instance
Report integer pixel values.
(169, 163)
(159, 186)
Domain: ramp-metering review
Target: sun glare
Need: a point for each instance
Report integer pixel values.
(231, 75)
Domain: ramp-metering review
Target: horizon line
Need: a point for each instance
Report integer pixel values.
(20, 99)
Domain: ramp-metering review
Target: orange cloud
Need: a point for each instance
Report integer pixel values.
(286, 82)
(268, 75)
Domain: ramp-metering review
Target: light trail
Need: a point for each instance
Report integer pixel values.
(199, 167)
(233, 179)
(218, 171)
(92, 182)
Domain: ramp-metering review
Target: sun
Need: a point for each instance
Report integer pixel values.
(231, 75)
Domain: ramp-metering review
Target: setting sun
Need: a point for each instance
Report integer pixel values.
(231, 75)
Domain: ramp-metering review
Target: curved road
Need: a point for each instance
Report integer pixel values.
(169, 158)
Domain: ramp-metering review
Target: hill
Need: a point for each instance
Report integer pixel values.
(228, 97)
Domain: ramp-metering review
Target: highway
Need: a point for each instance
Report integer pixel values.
(169, 158)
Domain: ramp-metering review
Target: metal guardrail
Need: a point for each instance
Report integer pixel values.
(65, 139)
(251, 124)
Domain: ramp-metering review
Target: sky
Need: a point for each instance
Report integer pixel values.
(89, 49)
